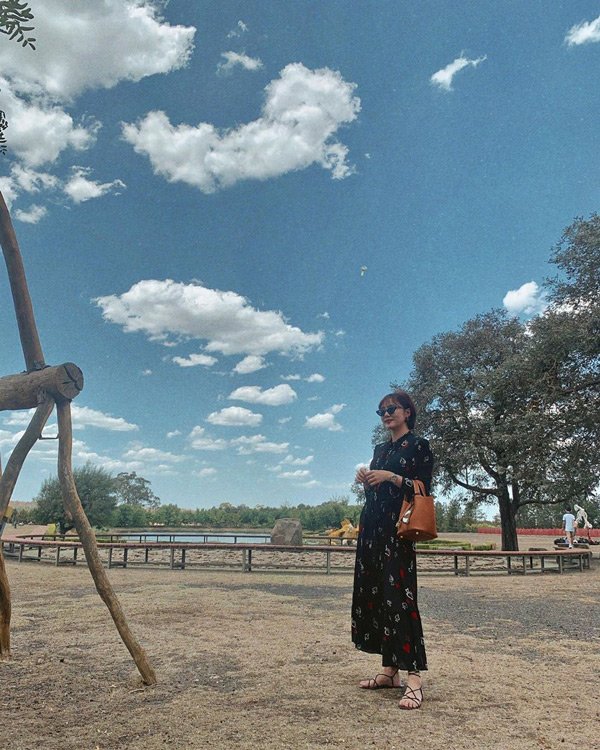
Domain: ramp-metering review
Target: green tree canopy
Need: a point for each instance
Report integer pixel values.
(95, 487)
(131, 489)
(512, 409)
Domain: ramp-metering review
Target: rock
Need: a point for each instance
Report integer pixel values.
(287, 531)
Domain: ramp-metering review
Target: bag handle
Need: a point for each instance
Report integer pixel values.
(419, 487)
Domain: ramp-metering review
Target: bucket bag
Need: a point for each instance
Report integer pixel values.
(416, 522)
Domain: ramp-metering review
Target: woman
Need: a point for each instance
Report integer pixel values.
(385, 617)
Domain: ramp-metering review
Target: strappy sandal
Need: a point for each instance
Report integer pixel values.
(415, 696)
(373, 684)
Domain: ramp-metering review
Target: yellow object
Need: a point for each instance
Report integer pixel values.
(347, 531)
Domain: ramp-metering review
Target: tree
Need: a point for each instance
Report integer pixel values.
(13, 16)
(513, 409)
(95, 487)
(168, 515)
(129, 516)
(131, 489)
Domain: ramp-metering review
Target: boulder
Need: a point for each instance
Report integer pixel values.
(287, 531)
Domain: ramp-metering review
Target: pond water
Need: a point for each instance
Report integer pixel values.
(197, 537)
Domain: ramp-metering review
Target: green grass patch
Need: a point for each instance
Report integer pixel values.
(453, 544)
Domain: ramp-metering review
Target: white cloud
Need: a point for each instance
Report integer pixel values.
(289, 460)
(235, 416)
(298, 474)
(150, 455)
(302, 112)
(84, 45)
(95, 44)
(9, 190)
(326, 420)
(83, 416)
(195, 359)
(258, 444)
(9, 439)
(41, 131)
(80, 188)
(528, 298)
(146, 372)
(443, 78)
(173, 433)
(236, 58)
(201, 441)
(224, 319)
(209, 471)
(277, 396)
(314, 378)
(251, 363)
(241, 28)
(33, 215)
(584, 33)
(31, 181)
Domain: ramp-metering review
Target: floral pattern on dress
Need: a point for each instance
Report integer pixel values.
(385, 615)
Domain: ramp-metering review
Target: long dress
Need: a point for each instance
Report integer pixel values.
(385, 616)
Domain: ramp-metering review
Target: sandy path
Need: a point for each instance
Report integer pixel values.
(263, 661)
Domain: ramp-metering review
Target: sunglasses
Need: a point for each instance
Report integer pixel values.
(388, 410)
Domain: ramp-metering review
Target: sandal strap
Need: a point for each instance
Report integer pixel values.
(411, 695)
(374, 685)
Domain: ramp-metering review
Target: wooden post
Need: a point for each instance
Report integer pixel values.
(26, 390)
(88, 541)
(30, 342)
(5, 611)
(8, 479)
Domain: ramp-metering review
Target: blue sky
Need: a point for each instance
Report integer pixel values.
(197, 186)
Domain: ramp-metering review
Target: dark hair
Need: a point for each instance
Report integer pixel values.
(568, 508)
(402, 398)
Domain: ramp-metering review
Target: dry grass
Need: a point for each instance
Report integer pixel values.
(263, 661)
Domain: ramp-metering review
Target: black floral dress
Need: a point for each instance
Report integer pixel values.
(385, 616)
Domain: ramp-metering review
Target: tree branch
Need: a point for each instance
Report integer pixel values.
(88, 541)
(467, 486)
(21, 449)
(30, 341)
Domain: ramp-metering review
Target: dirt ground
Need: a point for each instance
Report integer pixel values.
(263, 660)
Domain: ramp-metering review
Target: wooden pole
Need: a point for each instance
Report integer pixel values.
(30, 341)
(5, 612)
(5, 608)
(20, 451)
(8, 479)
(26, 390)
(88, 541)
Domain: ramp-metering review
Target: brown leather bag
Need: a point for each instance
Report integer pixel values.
(417, 516)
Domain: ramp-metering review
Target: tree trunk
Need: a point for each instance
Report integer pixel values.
(20, 451)
(25, 391)
(30, 342)
(88, 540)
(8, 479)
(507, 519)
(5, 611)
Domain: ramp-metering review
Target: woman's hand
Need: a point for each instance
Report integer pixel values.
(361, 475)
(374, 477)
